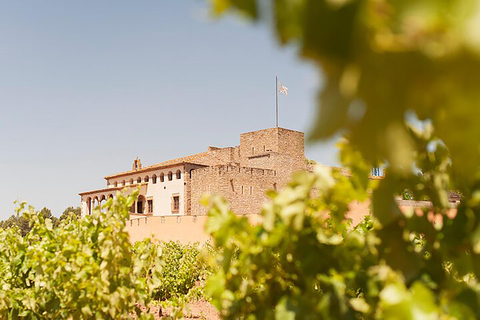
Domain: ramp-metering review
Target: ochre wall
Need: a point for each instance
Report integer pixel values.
(189, 229)
(186, 229)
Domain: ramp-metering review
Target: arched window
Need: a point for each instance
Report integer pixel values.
(89, 205)
(178, 174)
(140, 204)
(162, 177)
(139, 180)
(102, 201)
(170, 175)
(115, 184)
(147, 178)
(123, 183)
(154, 179)
(131, 181)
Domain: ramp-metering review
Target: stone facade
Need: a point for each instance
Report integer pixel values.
(244, 187)
(265, 159)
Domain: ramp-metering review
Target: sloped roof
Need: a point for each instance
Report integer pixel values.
(164, 164)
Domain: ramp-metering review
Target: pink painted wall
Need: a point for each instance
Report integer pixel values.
(188, 229)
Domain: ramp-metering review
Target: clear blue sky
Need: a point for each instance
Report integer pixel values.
(86, 86)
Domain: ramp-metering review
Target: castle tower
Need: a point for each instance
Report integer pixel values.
(271, 148)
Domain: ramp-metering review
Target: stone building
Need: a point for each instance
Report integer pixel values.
(264, 160)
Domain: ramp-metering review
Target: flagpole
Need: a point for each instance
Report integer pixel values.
(276, 101)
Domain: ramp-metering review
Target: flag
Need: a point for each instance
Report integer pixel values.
(282, 89)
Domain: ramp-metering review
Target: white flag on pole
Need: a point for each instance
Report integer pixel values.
(282, 88)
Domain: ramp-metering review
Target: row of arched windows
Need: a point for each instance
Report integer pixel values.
(96, 201)
(155, 178)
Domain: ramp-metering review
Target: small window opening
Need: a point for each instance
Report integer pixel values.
(150, 206)
(178, 174)
(147, 178)
(154, 179)
(264, 149)
(139, 180)
(131, 181)
(170, 176)
(115, 184)
(139, 206)
(162, 177)
(242, 189)
(253, 150)
(376, 171)
(176, 204)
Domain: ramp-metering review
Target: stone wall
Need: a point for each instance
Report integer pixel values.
(277, 140)
(283, 165)
(265, 160)
(243, 187)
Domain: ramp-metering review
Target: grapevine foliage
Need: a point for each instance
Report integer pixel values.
(401, 82)
(87, 268)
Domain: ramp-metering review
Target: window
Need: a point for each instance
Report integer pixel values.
(131, 181)
(154, 179)
(178, 174)
(141, 204)
(139, 180)
(123, 183)
(175, 204)
(115, 184)
(146, 179)
(89, 205)
(162, 177)
(170, 175)
(150, 206)
(376, 172)
(253, 150)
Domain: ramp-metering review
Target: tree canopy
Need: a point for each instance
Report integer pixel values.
(24, 223)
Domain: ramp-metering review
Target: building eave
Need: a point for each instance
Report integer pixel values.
(111, 189)
(151, 168)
